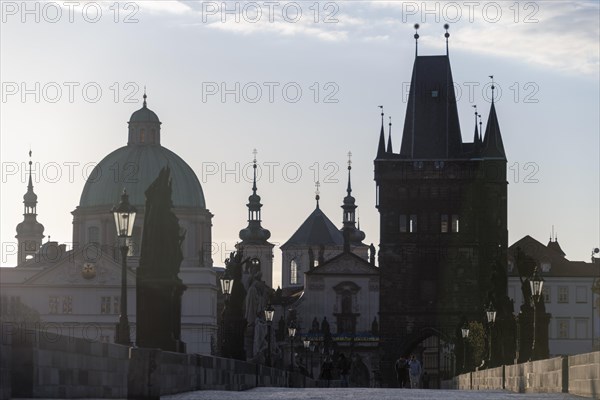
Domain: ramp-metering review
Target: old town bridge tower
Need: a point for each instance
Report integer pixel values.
(443, 218)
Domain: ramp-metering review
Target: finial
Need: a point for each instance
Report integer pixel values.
(416, 39)
(145, 97)
(317, 197)
(49, 238)
(446, 35)
(389, 146)
(254, 152)
(381, 116)
(493, 87)
(349, 188)
(349, 160)
(476, 113)
(480, 126)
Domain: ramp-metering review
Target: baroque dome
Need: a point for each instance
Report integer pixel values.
(134, 167)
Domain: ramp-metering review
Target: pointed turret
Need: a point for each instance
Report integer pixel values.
(476, 138)
(492, 143)
(381, 147)
(29, 232)
(389, 145)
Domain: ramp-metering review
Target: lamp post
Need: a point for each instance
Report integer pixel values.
(269, 312)
(465, 335)
(291, 334)
(124, 214)
(306, 346)
(595, 287)
(226, 286)
(491, 318)
(312, 349)
(536, 284)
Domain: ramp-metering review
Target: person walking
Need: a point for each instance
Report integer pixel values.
(344, 367)
(414, 369)
(401, 368)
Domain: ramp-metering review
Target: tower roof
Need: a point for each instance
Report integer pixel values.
(316, 230)
(431, 126)
(144, 114)
(492, 143)
(254, 233)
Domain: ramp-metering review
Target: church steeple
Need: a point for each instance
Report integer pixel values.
(29, 232)
(254, 233)
(355, 236)
(476, 137)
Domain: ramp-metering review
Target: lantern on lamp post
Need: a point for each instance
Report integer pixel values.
(465, 335)
(491, 319)
(124, 214)
(269, 313)
(536, 284)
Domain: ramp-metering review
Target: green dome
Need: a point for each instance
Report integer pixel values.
(135, 167)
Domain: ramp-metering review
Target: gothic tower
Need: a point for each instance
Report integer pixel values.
(443, 218)
(29, 232)
(254, 238)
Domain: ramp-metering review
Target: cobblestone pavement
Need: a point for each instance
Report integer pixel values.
(362, 394)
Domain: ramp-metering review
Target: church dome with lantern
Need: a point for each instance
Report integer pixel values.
(134, 167)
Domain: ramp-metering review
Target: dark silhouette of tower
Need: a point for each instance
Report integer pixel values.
(443, 217)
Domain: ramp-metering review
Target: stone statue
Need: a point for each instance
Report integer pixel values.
(321, 254)
(372, 254)
(315, 326)
(158, 287)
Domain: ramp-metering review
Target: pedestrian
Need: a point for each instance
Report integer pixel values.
(326, 369)
(414, 369)
(401, 368)
(344, 366)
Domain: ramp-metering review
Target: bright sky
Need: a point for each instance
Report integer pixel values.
(346, 57)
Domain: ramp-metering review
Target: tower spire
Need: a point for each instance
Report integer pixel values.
(254, 233)
(447, 35)
(389, 145)
(29, 232)
(349, 230)
(317, 196)
(493, 87)
(349, 189)
(145, 97)
(476, 141)
(381, 148)
(416, 39)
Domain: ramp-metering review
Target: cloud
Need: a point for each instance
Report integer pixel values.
(550, 34)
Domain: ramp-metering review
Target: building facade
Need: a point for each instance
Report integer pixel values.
(78, 290)
(567, 295)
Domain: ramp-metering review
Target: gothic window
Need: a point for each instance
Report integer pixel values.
(563, 294)
(93, 234)
(105, 304)
(293, 272)
(444, 223)
(455, 223)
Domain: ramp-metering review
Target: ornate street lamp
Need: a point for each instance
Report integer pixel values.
(536, 284)
(491, 318)
(465, 335)
(124, 214)
(269, 313)
(292, 333)
(306, 343)
(226, 284)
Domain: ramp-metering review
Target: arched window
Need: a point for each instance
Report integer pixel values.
(142, 136)
(293, 272)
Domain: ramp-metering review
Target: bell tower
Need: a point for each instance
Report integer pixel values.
(29, 232)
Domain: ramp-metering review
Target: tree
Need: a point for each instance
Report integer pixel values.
(475, 345)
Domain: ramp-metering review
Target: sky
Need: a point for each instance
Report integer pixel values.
(300, 82)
